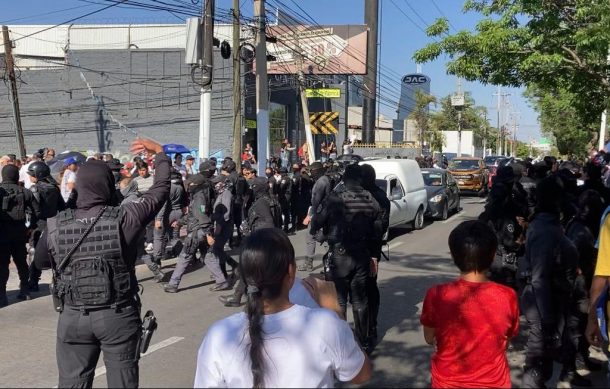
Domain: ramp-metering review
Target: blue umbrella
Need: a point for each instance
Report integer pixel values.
(173, 148)
(57, 163)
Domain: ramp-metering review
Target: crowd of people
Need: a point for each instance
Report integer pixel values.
(540, 249)
(544, 241)
(91, 223)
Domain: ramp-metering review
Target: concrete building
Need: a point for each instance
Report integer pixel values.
(93, 87)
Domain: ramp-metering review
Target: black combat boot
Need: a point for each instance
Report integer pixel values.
(3, 298)
(361, 328)
(24, 292)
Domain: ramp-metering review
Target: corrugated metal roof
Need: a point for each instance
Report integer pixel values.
(54, 42)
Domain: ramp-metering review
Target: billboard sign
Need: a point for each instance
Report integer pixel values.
(325, 49)
(415, 79)
(329, 93)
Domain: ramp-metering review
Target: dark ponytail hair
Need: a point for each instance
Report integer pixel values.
(263, 266)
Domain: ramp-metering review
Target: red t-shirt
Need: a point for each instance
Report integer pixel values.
(473, 322)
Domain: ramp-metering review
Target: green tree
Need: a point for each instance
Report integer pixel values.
(473, 119)
(421, 116)
(560, 119)
(560, 46)
(522, 150)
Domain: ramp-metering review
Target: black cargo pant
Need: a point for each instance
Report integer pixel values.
(374, 299)
(82, 336)
(12, 244)
(350, 271)
(38, 234)
(286, 213)
(541, 343)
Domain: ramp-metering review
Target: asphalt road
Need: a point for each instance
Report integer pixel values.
(418, 259)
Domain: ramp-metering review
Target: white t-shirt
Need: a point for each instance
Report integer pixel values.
(303, 348)
(24, 176)
(69, 177)
(347, 149)
(299, 295)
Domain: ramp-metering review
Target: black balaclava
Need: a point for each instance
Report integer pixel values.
(10, 174)
(316, 170)
(260, 187)
(94, 185)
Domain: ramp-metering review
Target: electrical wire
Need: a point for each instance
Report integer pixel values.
(71, 20)
(44, 14)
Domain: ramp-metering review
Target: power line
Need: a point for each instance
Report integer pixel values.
(71, 20)
(44, 14)
(443, 14)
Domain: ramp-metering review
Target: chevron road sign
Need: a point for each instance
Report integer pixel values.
(321, 122)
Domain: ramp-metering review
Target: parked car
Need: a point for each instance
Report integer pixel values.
(402, 181)
(443, 193)
(470, 173)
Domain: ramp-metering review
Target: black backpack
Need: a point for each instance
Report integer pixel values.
(12, 207)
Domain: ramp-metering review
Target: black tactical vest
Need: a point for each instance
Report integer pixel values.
(96, 275)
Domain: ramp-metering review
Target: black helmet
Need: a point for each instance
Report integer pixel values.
(39, 170)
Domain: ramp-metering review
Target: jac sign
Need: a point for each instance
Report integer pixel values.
(415, 79)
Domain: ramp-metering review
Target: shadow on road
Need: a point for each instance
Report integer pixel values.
(42, 292)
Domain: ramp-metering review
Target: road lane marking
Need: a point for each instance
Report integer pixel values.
(419, 307)
(393, 245)
(155, 347)
(453, 217)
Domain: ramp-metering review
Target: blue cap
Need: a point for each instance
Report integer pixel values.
(70, 161)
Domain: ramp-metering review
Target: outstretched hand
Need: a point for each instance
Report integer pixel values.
(141, 145)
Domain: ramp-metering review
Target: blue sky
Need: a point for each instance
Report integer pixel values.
(401, 35)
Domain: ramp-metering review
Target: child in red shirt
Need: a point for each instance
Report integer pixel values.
(470, 320)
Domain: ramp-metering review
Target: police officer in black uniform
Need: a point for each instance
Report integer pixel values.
(47, 193)
(368, 183)
(15, 202)
(198, 220)
(506, 211)
(92, 250)
(547, 273)
(282, 189)
(264, 213)
(321, 189)
(351, 223)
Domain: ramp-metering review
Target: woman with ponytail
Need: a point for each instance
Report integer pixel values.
(276, 343)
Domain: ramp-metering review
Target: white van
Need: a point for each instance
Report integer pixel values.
(403, 182)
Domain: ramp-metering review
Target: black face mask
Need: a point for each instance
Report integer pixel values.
(269, 175)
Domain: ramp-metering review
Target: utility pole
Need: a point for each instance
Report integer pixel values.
(207, 54)
(500, 97)
(236, 85)
(371, 16)
(458, 102)
(602, 129)
(311, 151)
(262, 87)
(485, 133)
(10, 69)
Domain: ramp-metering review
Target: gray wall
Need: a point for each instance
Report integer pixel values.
(148, 91)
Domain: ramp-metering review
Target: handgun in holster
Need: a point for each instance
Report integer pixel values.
(328, 264)
(58, 301)
(149, 326)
